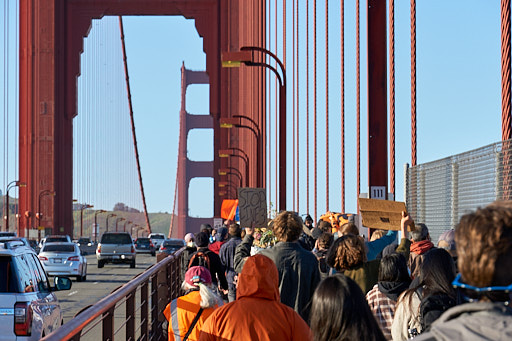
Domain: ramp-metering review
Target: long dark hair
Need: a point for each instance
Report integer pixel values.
(437, 273)
(339, 312)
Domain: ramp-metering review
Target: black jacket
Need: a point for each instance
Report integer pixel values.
(216, 267)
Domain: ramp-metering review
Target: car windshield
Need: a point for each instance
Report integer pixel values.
(116, 239)
(83, 240)
(157, 237)
(56, 239)
(142, 241)
(59, 248)
(8, 282)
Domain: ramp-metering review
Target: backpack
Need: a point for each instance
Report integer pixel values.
(199, 258)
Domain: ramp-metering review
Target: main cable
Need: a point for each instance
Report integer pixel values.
(136, 149)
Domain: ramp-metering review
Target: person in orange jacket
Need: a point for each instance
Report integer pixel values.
(257, 313)
(187, 314)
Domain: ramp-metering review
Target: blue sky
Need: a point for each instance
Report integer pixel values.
(458, 96)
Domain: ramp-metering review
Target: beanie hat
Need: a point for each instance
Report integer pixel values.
(447, 240)
(198, 274)
(188, 237)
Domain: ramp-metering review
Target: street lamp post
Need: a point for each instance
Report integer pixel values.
(238, 174)
(125, 223)
(39, 214)
(108, 216)
(236, 121)
(9, 186)
(229, 152)
(118, 220)
(96, 229)
(82, 208)
(246, 56)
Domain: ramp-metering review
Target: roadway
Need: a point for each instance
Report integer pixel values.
(100, 283)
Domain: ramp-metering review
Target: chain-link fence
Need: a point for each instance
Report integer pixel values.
(438, 193)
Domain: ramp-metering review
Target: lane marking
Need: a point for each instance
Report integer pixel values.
(95, 283)
(72, 293)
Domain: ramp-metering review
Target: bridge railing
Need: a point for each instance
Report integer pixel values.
(143, 299)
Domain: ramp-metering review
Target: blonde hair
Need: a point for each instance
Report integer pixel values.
(377, 234)
(208, 298)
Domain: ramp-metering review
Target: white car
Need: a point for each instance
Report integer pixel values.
(29, 310)
(157, 239)
(63, 259)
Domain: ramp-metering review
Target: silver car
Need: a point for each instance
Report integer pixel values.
(29, 310)
(63, 259)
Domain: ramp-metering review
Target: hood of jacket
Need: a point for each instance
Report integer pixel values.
(421, 247)
(259, 279)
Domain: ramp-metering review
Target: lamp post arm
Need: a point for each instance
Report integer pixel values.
(268, 53)
(257, 128)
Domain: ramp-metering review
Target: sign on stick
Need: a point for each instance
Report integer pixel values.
(252, 204)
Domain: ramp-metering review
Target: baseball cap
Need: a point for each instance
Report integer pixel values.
(198, 274)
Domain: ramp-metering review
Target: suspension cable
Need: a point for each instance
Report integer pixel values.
(293, 110)
(297, 150)
(327, 105)
(413, 82)
(342, 104)
(307, 107)
(506, 132)
(136, 149)
(392, 95)
(358, 63)
(315, 109)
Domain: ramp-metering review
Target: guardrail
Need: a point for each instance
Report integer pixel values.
(144, 299)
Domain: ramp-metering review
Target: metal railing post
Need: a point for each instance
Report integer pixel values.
(130, 316)
(108, 324)
(144, 311)
(156, 331)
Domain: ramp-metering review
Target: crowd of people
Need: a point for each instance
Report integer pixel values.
(326, 282)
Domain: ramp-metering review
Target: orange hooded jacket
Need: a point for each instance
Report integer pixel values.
(257, 313)
(181, 312)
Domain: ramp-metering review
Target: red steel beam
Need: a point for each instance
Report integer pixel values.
(377, 97)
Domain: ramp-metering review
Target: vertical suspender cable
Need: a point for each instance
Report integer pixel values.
(506, 132)
(315, 108)
(307, 107)
(358, 101)
(413, 82)
(327, 105)
(276, 115)
(297, 99)
(16, 100)
(6, 95)
(284, 157)
(133, 124)
(392, 96)
(294, 78)
(269, 121)
(342, 100)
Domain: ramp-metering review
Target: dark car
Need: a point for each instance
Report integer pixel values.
(170, 246)
(33, 244)
(145, 245)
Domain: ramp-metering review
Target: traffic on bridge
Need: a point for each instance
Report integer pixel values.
(226, 170)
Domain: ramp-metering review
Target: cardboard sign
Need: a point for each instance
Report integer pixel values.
(381, 214)
(252, 205)
(217, 223)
